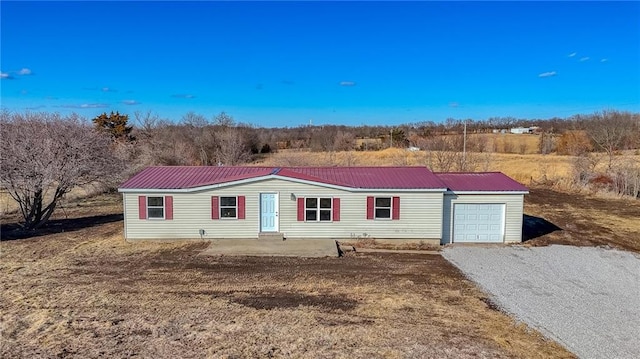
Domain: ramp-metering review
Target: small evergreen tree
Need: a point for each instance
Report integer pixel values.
(115, 125)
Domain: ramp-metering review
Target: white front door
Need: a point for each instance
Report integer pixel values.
(269, 212)
(479, 223)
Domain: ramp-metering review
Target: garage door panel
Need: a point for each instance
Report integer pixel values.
(480, 223)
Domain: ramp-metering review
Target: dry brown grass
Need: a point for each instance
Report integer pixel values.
(527, 168)
(523, 168)
(85, 293)
(8, 206)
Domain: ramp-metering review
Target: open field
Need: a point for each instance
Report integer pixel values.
(528, 169)
(523, 168)
(85, 292)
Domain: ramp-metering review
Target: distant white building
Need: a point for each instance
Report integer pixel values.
(520, 130)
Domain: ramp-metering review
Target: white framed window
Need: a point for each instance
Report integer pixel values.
(229, 207)
(155, 207)
(318, 209)
(382, 208)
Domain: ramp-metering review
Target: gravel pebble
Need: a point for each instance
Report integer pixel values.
(587, 299)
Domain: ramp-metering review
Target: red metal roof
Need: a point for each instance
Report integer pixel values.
(480, 181)
(368, 177)
(180, 177)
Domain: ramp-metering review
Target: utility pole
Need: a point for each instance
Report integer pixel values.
(391, 138)
(464, 147)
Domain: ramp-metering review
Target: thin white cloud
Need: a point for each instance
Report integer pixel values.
(573, 54)
(87, 105)
(183, 96)
(347, 83)
(130, 102)
(583, 59)
(108, 89)
(4, 75)
(24, 71)
(35, 107)
(454, 104)
(604, 60)
(548, 74)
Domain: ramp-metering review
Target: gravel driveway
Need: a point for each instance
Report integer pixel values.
(587, 299)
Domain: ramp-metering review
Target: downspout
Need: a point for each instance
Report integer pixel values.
(124, 213)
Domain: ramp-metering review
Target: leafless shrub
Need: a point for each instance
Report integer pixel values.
(626, 176)
(344, 141)
(546, 143)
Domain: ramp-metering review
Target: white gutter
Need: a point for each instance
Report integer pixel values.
(268, 177)
(486, 192)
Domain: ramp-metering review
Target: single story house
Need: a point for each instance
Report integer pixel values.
(384, 203)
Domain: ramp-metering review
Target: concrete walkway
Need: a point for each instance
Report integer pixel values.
(271, 247)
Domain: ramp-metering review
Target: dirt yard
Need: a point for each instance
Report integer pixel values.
(78, 290)
(553, 217)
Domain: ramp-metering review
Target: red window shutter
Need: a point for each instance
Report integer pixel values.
(241, 202)
(300, 209)
(168, 207)
(336, 209)
(370, 202)
(396, 208)
(215, 207)
(142, 207)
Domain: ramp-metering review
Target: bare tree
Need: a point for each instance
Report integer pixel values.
(443, 153)
(201, 136)
(610, 130)
(232, 145)
(44, 156)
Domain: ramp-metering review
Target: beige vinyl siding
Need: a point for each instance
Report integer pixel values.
(420, 214)
(513, 213)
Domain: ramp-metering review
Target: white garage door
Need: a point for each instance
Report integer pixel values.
(479, 223)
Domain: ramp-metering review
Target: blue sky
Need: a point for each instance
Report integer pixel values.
(289, 63)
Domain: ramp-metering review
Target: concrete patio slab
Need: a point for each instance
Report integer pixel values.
(270, 247)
